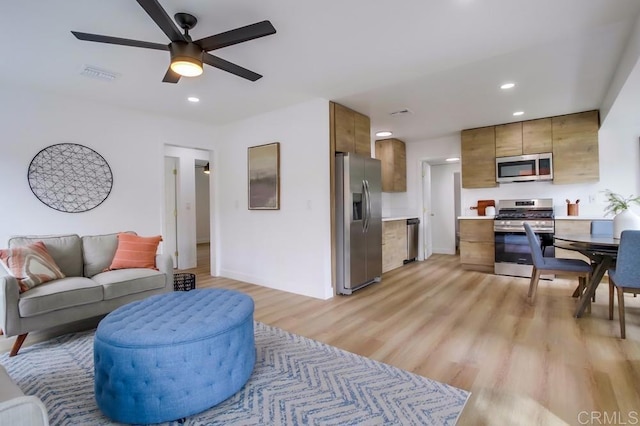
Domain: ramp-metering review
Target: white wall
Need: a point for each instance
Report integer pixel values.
(287, 249)
(410, 203)
(130, 141)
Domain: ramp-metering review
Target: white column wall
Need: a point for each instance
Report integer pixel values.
(287, 249)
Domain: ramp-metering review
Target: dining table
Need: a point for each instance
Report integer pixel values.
(601, 249)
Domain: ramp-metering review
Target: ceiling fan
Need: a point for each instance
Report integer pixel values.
(187, 56)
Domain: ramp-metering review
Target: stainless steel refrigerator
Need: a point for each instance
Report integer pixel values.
(358, 222)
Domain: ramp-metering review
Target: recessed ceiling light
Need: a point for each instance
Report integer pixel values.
(383, 134)
(193, 99)
(517, 113)
(452, 159)
(508, 86)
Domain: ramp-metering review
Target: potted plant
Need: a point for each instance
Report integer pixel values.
(619, 206)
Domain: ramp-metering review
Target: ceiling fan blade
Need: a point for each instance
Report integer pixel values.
(227, 66)
(171, 76)
(160, 17)
(239, 35)
(117, 40)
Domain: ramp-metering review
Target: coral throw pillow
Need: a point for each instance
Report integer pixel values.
(135, 252)
(31, 264)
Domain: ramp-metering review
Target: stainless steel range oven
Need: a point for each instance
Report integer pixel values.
(513, 256)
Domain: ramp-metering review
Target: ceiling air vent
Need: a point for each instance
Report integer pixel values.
(99, 74)
(400, 112)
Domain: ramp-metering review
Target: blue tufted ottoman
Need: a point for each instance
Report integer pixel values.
(173, 355)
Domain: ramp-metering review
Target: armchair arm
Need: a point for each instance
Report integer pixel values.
(23, 410)
(164, 263)
(9, 296)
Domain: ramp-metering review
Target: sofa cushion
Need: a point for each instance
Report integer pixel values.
(135, 252)
(64, 249)
(31, 265)
(98, 252)
(59, 294)
(122, 282)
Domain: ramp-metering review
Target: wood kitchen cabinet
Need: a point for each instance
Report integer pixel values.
(523, 138)
(478, 161)
(571, 226)
(575, 148)
(536, 136)
(392, 155)
(351, 130)
(394, 244)
(477, 246)
(509, 139)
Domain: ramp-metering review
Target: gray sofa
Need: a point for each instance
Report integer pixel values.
(18, 409)
(86, 292)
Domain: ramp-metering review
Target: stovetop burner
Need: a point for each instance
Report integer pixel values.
(525, 215)
(525, 209)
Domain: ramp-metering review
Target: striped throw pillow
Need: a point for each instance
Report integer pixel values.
(31, 264)
(135, 252)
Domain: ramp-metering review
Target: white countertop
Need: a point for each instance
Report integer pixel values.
(390, 218)
(582, 218)
(476, 217)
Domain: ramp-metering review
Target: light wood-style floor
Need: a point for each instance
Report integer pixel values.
(524, 365)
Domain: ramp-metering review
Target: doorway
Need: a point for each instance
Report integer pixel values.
(187, 207)
(441, 206)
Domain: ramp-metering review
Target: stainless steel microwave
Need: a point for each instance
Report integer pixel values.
(524, 168)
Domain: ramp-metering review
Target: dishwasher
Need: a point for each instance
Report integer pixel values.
(412, 239)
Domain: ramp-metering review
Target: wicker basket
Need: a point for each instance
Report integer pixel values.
(184, 282)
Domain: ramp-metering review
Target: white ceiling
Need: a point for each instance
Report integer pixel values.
(442, 59)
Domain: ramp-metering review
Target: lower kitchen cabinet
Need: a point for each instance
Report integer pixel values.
(477, 247)
(394, 244)
(572, 226)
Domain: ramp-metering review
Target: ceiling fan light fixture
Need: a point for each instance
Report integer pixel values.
(186, 68)
(186, 59)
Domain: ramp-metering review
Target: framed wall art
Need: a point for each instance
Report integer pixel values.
(264, 176)
(70, 178)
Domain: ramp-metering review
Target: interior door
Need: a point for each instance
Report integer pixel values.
(170, 226)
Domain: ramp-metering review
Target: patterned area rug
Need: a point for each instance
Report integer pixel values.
(296, 381)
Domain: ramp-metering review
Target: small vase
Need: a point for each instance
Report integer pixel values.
(624, 220)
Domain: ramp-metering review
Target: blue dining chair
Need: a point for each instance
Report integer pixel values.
(602, 227)
(625, 277)
(552, 265)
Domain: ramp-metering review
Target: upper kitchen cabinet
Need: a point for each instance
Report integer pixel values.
(575, 148)
(509, 139)
(392, 154)
(536, 136)
(523, 138)
(350, 130)
(478, 157)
